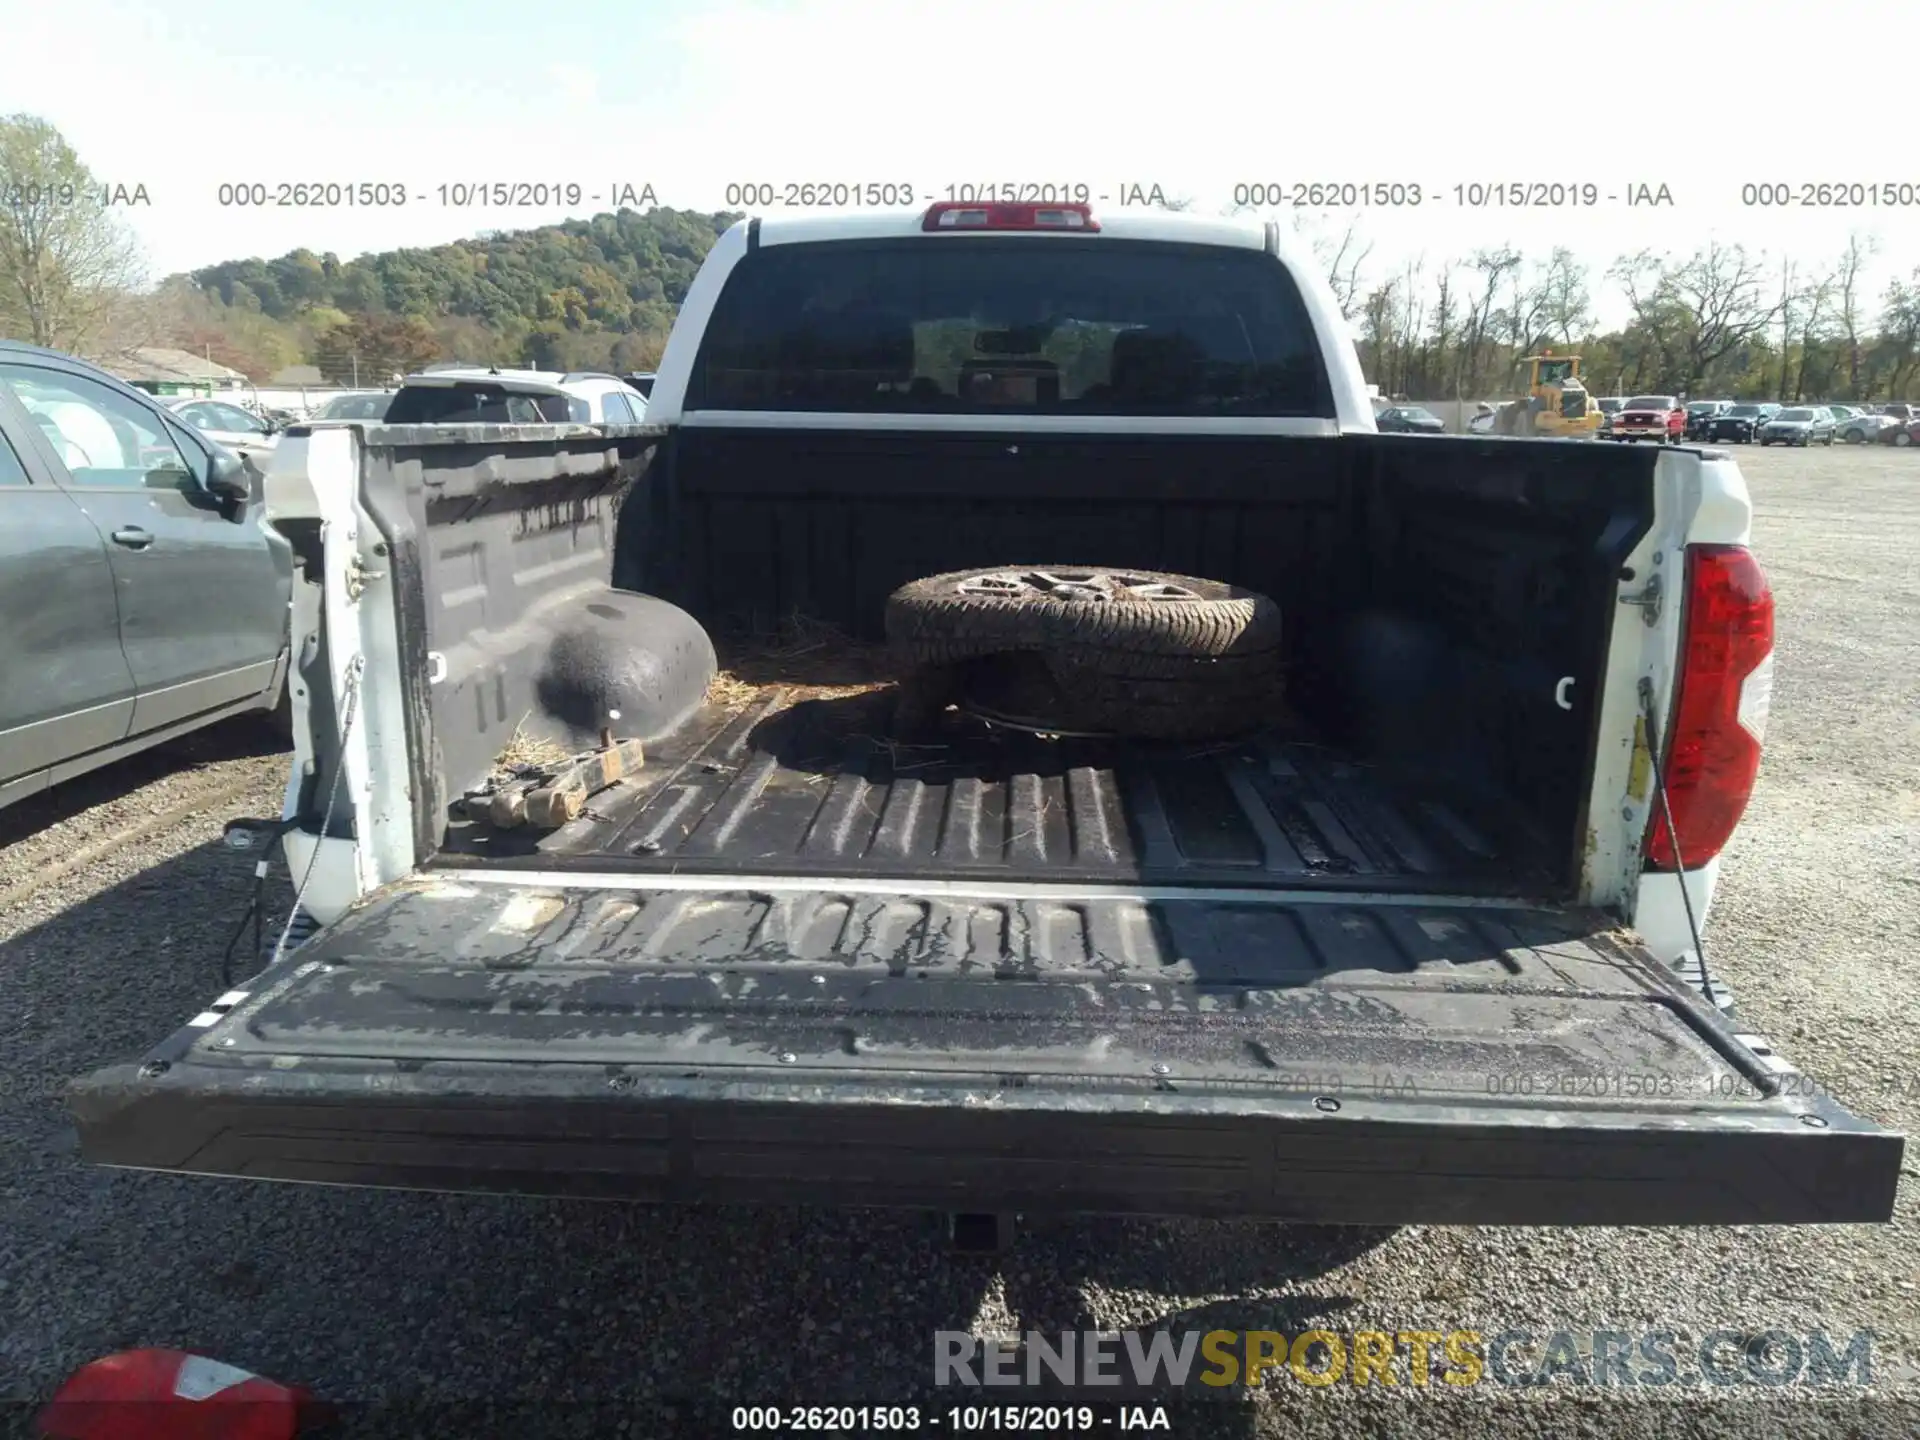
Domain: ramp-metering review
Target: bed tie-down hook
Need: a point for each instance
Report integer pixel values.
(359, 577)
(1648, 598)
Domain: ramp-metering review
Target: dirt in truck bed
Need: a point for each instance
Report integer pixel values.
(804, 658)
(812, 778)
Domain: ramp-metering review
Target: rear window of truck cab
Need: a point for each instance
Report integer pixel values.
(989, 326)
(480, 404)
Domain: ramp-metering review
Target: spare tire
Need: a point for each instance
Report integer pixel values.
(1205, 706)
(1221, 670)
(1087, 612)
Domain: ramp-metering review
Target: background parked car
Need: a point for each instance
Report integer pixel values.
(465, 395)
(1799, 425)
(1741, 423)
(1898, 421)
(360, 405)
(1650, 417)
(240, 431)
(1862, 427)
(141, 596)
(1409, 420)
(1701, 415)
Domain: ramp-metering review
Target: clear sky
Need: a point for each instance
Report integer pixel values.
(1196, 97)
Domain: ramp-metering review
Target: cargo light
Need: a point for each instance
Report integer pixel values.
(960, 215)
(1723, 692)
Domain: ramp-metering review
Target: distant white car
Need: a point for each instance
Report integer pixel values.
(356, 405)
(615, 400)
(226, 425)
(1483, 421)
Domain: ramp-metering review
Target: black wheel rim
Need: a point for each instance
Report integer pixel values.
(1075, 586)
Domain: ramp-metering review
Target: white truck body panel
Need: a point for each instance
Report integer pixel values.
(315, 477)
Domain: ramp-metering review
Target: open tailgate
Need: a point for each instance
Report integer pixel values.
(1352, 1059)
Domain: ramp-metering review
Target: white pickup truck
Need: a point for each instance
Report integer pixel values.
(1430, 955)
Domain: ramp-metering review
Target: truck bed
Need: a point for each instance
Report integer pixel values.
(1335, 972)
(820, 787)
(1449, 613)
(794, 960)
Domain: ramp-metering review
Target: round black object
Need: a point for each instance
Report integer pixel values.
(1088, 610)
(1214, 700)
(627, 662)
(1225, 671)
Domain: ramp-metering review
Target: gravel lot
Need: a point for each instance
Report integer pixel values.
(418, 1298)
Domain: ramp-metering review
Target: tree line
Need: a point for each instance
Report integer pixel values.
(601, 294)
(1723, 321)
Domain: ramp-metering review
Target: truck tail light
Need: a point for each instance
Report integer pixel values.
(962, 215)
(173, 1395)
(1721, 699)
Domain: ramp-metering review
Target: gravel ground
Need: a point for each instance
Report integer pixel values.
(421, 1300)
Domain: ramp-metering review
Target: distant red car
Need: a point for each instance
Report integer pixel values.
(1907, 434)
(1659, 418)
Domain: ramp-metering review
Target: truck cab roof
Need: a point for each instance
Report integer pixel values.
(1119, 224)
(529, 382)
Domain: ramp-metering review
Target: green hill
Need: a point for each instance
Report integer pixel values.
(584, 294)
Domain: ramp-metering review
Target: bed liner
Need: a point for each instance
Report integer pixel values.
(820, 787)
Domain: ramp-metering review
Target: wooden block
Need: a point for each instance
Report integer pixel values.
(508, 806)
(555, 807)
(565, 796)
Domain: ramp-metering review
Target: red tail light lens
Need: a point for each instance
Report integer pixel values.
(960, 215)
(172, 1395)
(1723, 692)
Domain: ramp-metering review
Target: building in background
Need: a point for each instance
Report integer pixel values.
(160, 371)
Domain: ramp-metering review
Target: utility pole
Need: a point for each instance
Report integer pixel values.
(1786, 324)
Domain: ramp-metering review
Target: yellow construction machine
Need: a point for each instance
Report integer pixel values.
(1557, 404)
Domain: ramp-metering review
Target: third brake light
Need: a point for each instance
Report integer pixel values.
(964, 215)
